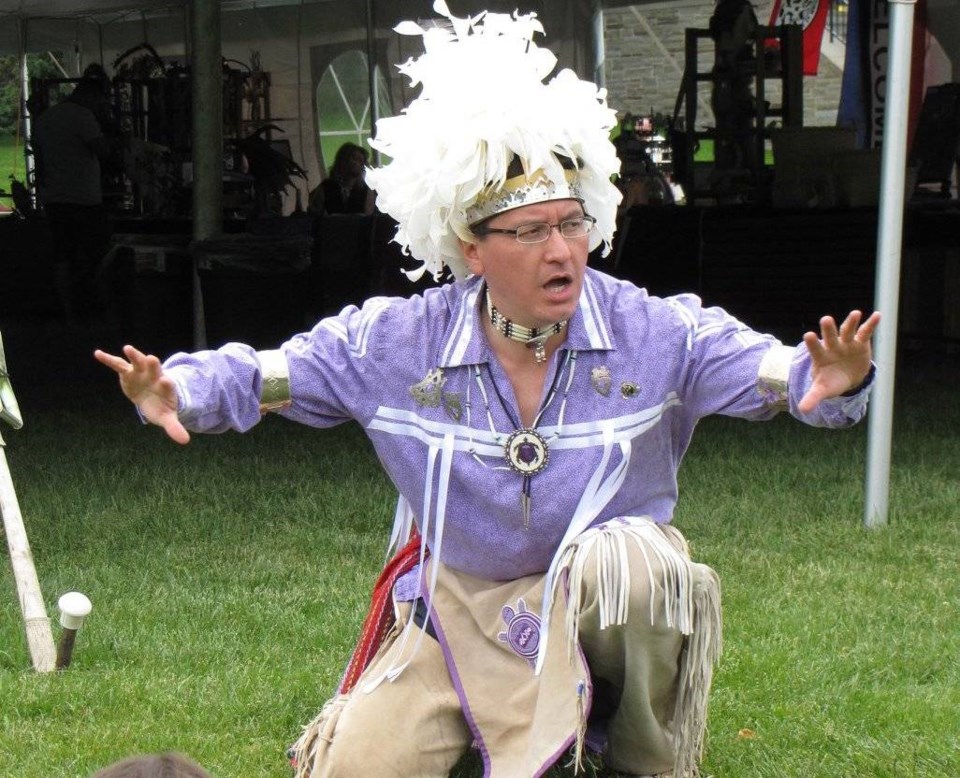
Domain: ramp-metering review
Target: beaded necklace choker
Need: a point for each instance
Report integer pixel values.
(532, 337)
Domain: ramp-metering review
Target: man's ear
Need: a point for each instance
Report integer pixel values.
(472, 256)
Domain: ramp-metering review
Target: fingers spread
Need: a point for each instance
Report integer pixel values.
(813, 344)
(828, 330)
(138, 359)
(810, 400)
(849, 327)
(118, 364)
(132, 353)
(176, 431)
(866, 330)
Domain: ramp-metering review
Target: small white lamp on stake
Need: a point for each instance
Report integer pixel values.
(74, 608)
(36, 623)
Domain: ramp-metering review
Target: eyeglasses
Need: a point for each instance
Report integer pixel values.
(538, 232)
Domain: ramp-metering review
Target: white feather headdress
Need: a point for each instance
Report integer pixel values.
(483, 101)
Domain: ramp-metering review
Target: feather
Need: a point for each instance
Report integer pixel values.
(483, 100)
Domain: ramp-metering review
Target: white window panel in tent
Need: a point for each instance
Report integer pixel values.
(343, 103)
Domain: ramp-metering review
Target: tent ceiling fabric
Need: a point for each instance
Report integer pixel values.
(386, 9)
(56, 24)
(294, 42)
(944, 14)
(74, 8)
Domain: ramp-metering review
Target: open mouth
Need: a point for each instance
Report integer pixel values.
(558, 284)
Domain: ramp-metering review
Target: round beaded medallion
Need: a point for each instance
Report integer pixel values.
(526, 452)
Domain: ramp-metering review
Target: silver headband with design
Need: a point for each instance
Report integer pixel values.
(523, 190)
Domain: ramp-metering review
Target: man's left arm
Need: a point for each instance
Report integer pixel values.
(736, 371)
(840, 359)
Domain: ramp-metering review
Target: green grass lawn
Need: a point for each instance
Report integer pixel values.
(229, 579)
(11, 163)
(704, 152)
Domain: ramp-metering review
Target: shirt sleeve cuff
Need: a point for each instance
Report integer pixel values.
(275, 380)
(866, 383)
(773, 376)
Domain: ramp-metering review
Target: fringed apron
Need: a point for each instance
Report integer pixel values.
(523, 722)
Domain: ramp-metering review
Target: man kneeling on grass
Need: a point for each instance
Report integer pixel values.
(532, 415)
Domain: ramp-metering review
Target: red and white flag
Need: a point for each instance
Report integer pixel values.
(811, 15)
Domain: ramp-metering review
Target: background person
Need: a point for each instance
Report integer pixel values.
(68, 145)
(344, 190)
(532, 416)
(732, 28)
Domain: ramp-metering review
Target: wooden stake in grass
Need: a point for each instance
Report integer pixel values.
(36, 623)
(74, 608)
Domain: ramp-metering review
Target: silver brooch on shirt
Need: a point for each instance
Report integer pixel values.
(601, 380)
(428, 392)
(452, 404)
(628, 389)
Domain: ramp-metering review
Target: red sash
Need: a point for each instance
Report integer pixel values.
(380, 616)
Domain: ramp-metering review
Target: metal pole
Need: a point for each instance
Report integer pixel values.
(889, 245)
(28, 160)
(372, 74)
(207, 142)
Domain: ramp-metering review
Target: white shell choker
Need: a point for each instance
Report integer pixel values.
(535, 337)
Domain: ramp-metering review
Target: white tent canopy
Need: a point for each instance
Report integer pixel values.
(319, 28)
(295, 42)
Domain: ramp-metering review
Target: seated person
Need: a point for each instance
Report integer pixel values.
(344, 190)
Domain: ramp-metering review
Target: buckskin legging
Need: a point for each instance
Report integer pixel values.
(650, 675)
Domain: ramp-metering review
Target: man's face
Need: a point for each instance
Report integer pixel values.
(533, 284)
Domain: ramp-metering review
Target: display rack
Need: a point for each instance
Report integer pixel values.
(787, 68)
(156, 109)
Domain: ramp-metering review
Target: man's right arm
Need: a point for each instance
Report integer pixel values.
(143, 382)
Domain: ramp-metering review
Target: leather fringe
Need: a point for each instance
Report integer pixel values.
(311, 746)
(700, 654)
(691, 605)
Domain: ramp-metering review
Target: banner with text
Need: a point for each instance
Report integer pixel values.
(811, 15)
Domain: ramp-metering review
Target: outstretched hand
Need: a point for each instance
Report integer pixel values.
(145, 385)
(841, 358)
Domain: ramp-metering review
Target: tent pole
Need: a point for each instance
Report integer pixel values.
(889, 246)
(207, 142)
(28, 159)
(372, 74)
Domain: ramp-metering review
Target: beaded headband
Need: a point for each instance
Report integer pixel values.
(524, 190)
